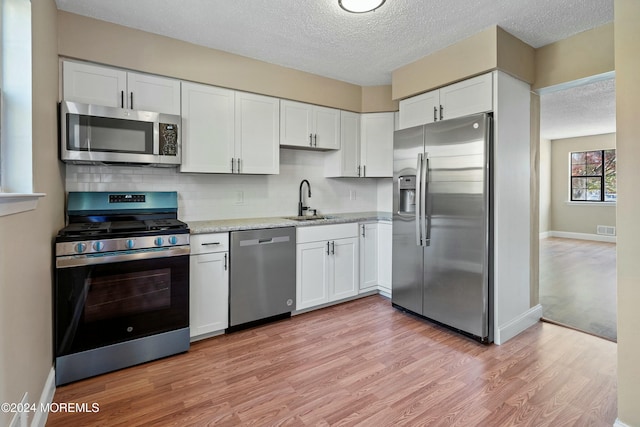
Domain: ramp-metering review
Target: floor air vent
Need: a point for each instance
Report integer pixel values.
(606, 230)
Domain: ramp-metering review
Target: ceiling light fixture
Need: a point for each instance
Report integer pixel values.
(360, 6)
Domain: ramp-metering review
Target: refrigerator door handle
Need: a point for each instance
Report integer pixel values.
(418, 203)
(426, 217)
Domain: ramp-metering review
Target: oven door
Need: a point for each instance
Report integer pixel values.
(100, 303)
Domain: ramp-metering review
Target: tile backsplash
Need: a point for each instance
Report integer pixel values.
(219, 196)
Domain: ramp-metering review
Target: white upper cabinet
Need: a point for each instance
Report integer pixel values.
(346, 161)
(467, 97)
(208, 139)
(224, 131)
(419, 110)
(366, 146)
(152, 93)
(111, 87)
(257, 148)
(309, 126)
(376, 145)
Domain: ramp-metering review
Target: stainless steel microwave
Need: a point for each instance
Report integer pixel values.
(95, 134)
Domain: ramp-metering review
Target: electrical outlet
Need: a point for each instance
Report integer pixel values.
(240, 197)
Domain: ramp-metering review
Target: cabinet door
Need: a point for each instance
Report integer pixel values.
(419, 110)
(209, 293)
(312, 280)
(346, 161)
(92, 84)
(344, 262)
(296, 121)
(327, 128)
(376, 146)
(152, 93)
(467, 97)
(207, 128)
(257, 133)
(368, 256)
(385, 238)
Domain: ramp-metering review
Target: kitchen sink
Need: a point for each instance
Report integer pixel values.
(308, 217)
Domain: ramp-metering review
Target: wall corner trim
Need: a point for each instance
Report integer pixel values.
(517, 325)
(49, 389)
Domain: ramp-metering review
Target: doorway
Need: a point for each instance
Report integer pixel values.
(577, 276)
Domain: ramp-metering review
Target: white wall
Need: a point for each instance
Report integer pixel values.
(545, 185)
(209, 196)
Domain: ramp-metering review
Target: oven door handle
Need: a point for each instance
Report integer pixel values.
(111, 257)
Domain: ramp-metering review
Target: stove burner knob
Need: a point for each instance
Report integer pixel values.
(81, 247)
(158, 241)
(129, 244)
(173, 240)
(98, 246)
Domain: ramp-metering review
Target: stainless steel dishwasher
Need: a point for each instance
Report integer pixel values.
(262, 281)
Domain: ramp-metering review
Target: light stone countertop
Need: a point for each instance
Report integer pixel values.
(224, 225)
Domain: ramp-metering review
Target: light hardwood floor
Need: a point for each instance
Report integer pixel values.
(578, 284)
(361, 363)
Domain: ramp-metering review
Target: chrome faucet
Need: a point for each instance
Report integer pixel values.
(302, 208)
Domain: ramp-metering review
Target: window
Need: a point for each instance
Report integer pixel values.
(593, 176)
(16, 178)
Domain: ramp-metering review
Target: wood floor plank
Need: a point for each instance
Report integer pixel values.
(360, 363)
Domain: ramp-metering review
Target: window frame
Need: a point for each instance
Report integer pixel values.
(602, 177)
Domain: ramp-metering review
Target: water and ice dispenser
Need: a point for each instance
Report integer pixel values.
(407, 188)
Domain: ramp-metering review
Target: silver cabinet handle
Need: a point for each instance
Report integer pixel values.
(358, 170)
(121, 99)
(333, 248)
(364, 170)
(441, 112)
(362, 230)
(327, 248)
(131, 106)
(232, 165)
(310, 140)
(209, 243)
(435, 114)
(315, 139)
(225, 261)
(238, 168)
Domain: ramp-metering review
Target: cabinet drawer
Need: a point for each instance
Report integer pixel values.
(209, 243)
(326, 232)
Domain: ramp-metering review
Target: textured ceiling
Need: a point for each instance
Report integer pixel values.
(588, 109)
(319, 37)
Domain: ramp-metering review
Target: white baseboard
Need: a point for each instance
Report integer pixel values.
(512, 328)
(619, 423)
(582, 236)
(40, 418)
(544, 234)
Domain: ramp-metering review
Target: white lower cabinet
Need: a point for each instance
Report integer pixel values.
(209, 284)
(326, 264)
(385, 238)
(368, 257)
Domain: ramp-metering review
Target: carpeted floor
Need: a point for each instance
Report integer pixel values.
(578, 284)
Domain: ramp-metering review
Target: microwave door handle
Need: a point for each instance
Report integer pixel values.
(418, 203)
(131, 104)
(121, 99)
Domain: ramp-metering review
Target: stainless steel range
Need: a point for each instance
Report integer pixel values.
(121, 294)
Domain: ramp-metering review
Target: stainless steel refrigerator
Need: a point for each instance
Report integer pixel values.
(442, 224)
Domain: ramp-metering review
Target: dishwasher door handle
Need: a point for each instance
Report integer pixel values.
(265, 241)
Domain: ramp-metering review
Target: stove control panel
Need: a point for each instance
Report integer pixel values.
(130, 244)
